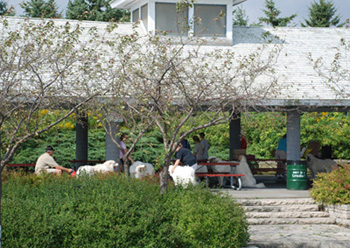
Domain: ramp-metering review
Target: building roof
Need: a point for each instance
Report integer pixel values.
(298, 82)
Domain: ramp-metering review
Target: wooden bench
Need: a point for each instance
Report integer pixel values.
(282, 170)
(231, 174)
(24, 166)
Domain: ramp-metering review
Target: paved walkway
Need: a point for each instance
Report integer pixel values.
(291, 236)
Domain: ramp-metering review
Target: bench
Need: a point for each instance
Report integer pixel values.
(231, 174)
(24, 166)
(282, 170)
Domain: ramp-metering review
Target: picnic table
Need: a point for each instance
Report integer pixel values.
(231, 174)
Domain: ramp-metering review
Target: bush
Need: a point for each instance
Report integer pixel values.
(334, 187)
(114, 211)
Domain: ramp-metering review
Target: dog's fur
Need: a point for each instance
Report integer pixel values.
(317, 165)
(90, 170)
(183, 175)
(248, 181)
(139, 169)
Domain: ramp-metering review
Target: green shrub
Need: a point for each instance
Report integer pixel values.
(334, 187)
(114, 211)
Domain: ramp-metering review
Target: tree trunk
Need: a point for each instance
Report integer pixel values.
(164, 175)
(126, 166)
(1, 169)
(164, 179)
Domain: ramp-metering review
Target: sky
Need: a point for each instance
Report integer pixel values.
(253, 8)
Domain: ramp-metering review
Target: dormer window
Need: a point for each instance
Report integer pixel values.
(144, 16)
(206, 18)
(135, 15)
(170, 20)
(210, 20)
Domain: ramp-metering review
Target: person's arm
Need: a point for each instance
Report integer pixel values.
(63, 168)
(177, 162)
(132, 161)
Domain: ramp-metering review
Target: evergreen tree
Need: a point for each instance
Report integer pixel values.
(322, 14)
(272, 14)
(41, 8)
(4, 10)
(240, 17)
(94, 10)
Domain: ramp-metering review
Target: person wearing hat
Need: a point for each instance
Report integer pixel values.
(46, 163)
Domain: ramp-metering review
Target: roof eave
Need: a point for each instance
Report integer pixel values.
(125, 4)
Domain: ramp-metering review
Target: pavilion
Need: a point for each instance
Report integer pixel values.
(302, 89)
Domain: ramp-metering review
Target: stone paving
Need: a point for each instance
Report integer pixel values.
(291, 236)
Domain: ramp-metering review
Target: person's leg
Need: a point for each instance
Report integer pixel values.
(121, 165)
(194, 167)
(54, 171)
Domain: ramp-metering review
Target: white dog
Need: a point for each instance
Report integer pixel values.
(90, 170)
(183, 175)
(248, 181)
(139, 169)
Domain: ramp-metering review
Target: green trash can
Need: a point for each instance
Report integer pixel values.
(296, 175)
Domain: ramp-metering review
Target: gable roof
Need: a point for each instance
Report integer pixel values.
(298, 82)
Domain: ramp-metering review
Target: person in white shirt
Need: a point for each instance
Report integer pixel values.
(46, 163)
(205, 146)
(198, 150)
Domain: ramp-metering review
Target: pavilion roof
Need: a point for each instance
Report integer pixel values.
(299, 83)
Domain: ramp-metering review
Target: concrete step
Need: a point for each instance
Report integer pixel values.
(295, 214)
(275, 202)
(282, 208)
(289, 221)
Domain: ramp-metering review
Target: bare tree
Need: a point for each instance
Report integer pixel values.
(43, 66)
(169, 81)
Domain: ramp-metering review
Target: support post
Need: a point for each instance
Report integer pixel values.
(235, 131)
(81, 139)
(112, 151)
(293, 135)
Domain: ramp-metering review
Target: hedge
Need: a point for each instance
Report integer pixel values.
(114, 211)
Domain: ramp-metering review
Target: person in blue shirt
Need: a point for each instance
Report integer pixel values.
(282, 144)
(184, 156)
(281, 153)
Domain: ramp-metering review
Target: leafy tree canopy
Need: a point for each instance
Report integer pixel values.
(322, 14)
(272, 14)
(240, 17)
(94, 10)
(41, 8)
(4, 10)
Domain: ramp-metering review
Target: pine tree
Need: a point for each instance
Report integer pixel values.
(240, 17)
(4, 10)
(322, 14)
(272, 14)
(41, 8)
(94, 10)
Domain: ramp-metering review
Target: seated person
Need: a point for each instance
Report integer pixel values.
(184, 156)
(46, 163)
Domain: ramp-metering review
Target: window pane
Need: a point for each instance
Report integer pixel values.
(210, 20)
(135, 15)
(144, 15)
(171, 20)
